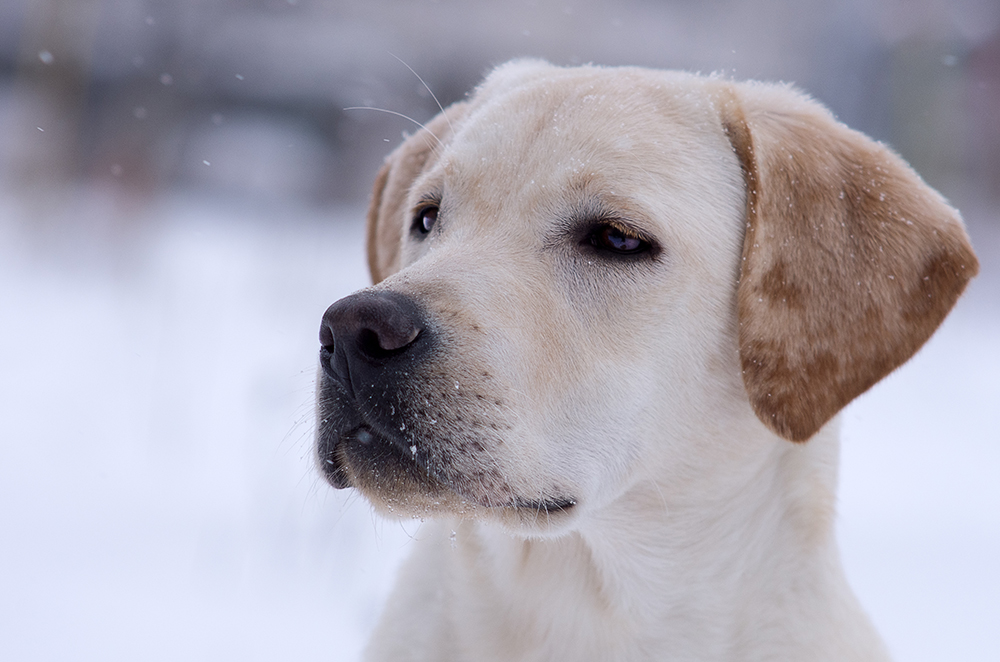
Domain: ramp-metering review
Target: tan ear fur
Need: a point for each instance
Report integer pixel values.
(850, 261)
(386, 220)
(377, 264)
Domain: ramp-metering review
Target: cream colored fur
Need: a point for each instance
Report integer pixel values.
(796, 260)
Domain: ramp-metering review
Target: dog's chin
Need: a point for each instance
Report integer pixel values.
(393, 480)
(400, 481)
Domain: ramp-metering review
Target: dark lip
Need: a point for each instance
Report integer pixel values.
(329, 456)
(332, 459)
(342, 421)
(353, 424)
(549, 507)
(335, 451)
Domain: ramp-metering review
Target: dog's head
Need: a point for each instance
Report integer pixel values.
(583, 275)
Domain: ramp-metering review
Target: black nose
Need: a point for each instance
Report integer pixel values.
(364, 332)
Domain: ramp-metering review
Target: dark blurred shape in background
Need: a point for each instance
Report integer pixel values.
(248, 98)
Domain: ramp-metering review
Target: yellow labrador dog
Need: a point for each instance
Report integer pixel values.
(616, 313)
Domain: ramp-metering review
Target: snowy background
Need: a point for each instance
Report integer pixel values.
(181, 197)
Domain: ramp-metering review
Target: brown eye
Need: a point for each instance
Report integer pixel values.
(425, 219)
(615, 240)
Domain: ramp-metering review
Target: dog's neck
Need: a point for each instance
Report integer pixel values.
(742, 560)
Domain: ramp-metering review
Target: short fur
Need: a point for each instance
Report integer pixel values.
(602, 441)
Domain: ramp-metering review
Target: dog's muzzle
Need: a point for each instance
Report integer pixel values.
(370, 344)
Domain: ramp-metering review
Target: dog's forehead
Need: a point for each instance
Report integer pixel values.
(579, 125)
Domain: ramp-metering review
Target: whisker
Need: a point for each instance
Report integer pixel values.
(405, 117)
(429, 91)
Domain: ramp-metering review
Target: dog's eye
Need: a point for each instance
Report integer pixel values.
(617, 240)
(425, 218)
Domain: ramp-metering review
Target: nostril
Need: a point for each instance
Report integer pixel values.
(396, 333)
(369, 345)
(326, 336)
(378, 346)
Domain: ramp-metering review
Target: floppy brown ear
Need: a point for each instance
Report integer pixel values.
(850, 261)
(387, 221)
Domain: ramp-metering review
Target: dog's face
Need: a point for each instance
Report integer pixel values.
(566, 283)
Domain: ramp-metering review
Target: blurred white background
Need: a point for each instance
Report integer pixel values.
(181, 197)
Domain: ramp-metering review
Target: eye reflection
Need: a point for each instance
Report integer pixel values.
(425, 219)
(616, 240)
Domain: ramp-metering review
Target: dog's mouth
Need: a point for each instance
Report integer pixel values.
(360, 456)
(407, 478)
(331, 453)
(547, 506)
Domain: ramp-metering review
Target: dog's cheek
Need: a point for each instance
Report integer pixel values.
(567, 421)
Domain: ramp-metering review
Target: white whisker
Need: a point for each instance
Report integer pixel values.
(429, 91)
(405, 117)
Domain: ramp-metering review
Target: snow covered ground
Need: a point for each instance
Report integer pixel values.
(157, 495)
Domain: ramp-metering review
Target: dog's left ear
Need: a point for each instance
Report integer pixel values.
(850, 261)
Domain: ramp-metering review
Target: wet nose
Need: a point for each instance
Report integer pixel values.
(363, 332)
